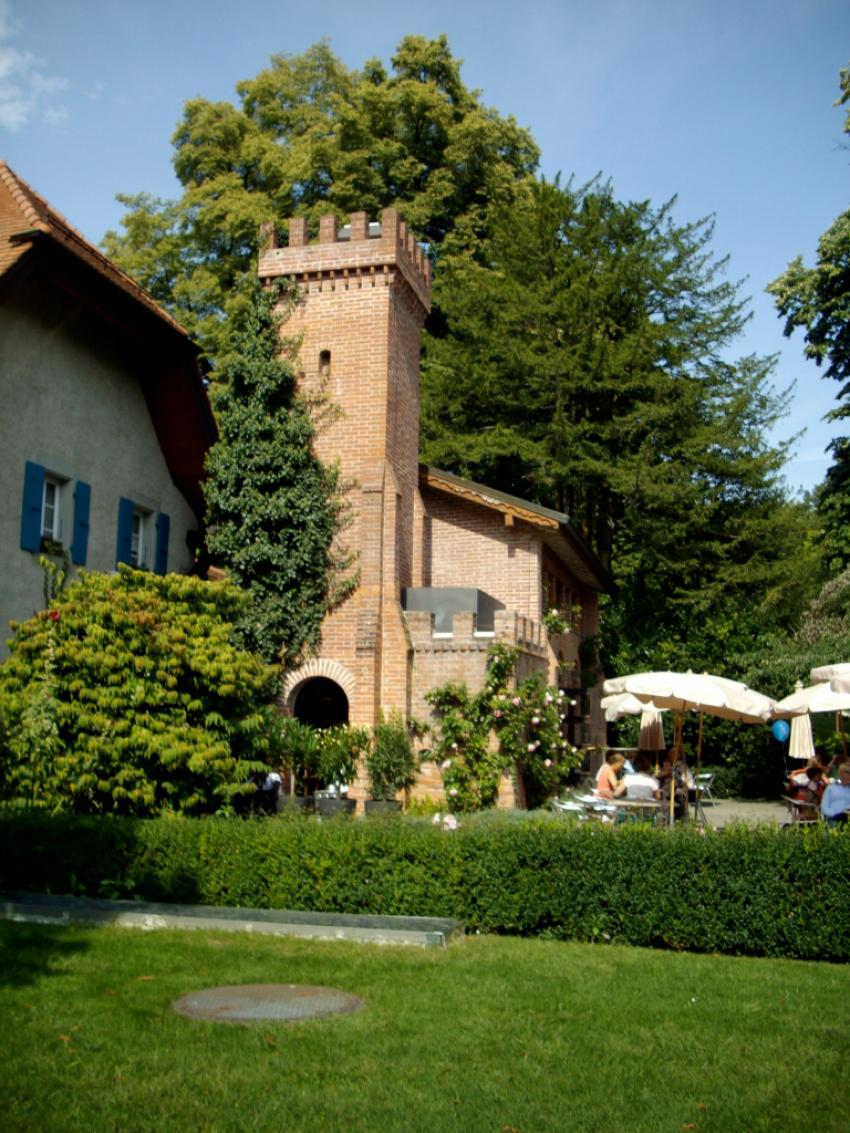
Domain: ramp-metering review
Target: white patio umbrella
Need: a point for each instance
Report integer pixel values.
(802, 702)
(837, 675)
(696, 692)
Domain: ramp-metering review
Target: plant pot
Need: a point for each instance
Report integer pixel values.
(330, 806)
(382, 807)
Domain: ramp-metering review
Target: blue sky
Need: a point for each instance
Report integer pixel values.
(725, 103)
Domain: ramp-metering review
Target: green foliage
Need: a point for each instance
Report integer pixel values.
(311, 136)
(579, 363)
(526, 722)
(273, 510)
(129, 695)
(341, 749)
(300, 753)
(817, 301)
(763, 892)
(391, 761)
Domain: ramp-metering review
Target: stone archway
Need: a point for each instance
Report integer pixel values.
(319, 688)
(320, 702)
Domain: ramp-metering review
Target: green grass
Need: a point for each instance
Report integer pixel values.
(491, 1034)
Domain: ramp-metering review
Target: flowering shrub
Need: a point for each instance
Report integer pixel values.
(560, 621)
(130, 696)
(497, 729)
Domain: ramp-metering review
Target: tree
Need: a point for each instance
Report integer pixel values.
(273, 510)
(582, 364)
(129, 695)
(312, 137)
(817, 300)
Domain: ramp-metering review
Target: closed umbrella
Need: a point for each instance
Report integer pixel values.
(651, 735)
(801, 743)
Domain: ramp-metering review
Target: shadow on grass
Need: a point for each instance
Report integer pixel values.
(30, 952)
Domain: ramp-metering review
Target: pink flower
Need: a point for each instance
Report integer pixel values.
(453, 792)
(497, 713)
(450, 822)
(535, 719)
(516, 701)
(548, 698)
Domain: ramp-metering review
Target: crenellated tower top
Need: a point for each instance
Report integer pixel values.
(359, 254)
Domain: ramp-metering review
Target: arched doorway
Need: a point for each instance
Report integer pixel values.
(321, 703)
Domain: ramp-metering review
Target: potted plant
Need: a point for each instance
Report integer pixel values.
(300, 756)
(391, 763)
(340, 750)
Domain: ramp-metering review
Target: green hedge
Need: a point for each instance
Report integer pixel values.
(763, 892)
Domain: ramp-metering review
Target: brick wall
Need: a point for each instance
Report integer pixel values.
(362, 304)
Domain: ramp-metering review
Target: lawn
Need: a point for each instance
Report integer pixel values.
(491, 1034)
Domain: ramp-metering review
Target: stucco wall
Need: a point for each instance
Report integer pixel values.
(71, 402)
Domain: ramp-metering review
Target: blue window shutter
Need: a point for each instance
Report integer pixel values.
(31, 509)
(163, 524)
(80, 544)
(125, 531)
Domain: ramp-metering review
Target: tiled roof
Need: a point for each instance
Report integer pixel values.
(25, 217)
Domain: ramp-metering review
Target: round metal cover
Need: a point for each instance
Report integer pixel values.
(248, 1003)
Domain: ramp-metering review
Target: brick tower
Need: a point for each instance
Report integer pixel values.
(364, 294)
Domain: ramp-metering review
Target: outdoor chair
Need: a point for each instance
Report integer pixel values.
(567, 806)
(801, 810)
(705, 781)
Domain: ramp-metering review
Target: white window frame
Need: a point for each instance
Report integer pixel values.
(140, 538)
(53, 529)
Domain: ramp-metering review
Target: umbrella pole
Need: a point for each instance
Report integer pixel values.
(680, 719)
(698, 812)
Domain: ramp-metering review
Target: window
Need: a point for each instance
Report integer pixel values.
(138, 542)
(51, 509)
(136, 545)
(51, 512)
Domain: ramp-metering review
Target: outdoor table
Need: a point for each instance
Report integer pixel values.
(640, 809)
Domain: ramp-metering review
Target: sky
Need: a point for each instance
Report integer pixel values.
(725, 104)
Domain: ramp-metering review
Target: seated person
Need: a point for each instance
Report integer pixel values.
(608, 782)
(835, 803)
(807, 786)
(639, 783)
(675, 775)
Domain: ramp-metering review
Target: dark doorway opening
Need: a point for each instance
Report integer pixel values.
(321, 703)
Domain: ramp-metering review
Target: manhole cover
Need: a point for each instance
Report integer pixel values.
(249, 1002)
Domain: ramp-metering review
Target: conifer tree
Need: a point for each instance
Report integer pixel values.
(273, 509)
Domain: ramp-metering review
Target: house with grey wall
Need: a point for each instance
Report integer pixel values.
(105, 423)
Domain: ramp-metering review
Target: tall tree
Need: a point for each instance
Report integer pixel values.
(273, 510)
(311, 137)
(817, 300)
(583, 364)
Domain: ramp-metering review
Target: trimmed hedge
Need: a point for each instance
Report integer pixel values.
(762, 892)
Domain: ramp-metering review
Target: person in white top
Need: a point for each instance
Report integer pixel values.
(639, 783)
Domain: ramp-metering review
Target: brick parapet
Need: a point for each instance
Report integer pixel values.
(509, 627)
(363, 260)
